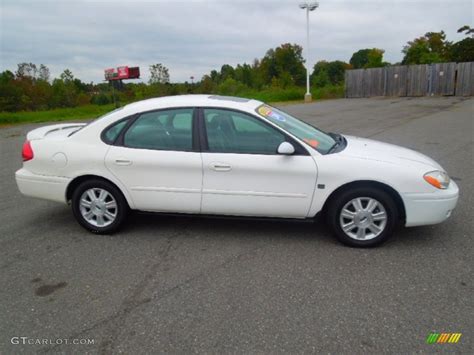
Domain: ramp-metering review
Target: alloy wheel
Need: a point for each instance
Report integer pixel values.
(363, 218)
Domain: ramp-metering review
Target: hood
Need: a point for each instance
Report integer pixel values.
(368, 149)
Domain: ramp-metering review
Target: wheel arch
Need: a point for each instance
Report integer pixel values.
(74, 183)
(373, 184)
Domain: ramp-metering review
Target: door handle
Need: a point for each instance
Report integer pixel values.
(123, 162)
(220, 167)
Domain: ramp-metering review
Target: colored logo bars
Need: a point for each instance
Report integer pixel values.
(441, 338)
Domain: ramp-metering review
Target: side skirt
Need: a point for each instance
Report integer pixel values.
(230, 217)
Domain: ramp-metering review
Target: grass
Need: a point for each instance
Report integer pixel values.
(295, 94)
(60, 114)
(289, 95)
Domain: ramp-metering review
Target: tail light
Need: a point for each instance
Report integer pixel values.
(27, 151)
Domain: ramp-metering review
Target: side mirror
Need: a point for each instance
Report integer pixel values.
(286, 148)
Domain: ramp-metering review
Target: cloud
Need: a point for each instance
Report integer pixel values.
(194, 37)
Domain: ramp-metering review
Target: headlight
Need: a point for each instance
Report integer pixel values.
(438, 179)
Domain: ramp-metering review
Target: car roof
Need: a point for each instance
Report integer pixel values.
(193, 101)
(237, 103)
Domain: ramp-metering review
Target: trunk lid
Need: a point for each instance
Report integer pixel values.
(56, 131)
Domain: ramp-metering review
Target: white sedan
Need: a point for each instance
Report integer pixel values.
(215, 155)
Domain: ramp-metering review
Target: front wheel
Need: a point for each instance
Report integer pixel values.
(99, 206)
(362, 217)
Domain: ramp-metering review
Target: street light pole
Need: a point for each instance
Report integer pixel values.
(308, 93)
(308, 7)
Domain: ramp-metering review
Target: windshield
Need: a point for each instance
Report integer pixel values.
(312, 136)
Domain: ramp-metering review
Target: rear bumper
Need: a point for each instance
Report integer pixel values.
(430, 208)
(41, 186)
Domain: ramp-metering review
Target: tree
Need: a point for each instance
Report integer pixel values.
(245, 74)
(320, 76)
(214, 76)
(367, 58)
(65, 91)
(67, 76)
(325, 73)
(206, 85)
(375, 58)
(159, 74)
(26, 70)
(43, 73)
(467, 29)
(287, 58)
(463, 50)
(10, 92)
(227, 71)
(430, 48)
(360, 58)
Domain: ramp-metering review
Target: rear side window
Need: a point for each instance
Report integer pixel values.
(111, 134)
(162, 130)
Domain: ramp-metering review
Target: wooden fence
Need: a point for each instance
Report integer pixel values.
(441, 79)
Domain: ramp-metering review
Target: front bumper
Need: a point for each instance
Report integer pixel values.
(430, 208)
(41, 186)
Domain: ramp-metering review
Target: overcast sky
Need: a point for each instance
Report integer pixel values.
(193, 37)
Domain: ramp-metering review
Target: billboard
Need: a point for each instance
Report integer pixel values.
(121, 73)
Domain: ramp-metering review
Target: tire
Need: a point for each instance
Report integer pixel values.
(99, 206)
(362, 216)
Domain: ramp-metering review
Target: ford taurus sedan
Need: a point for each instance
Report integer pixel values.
(215, 155)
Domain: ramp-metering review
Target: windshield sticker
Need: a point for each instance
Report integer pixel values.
(266, 111)
(312, 142)
(277, 116)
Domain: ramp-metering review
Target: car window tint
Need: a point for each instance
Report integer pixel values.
(244, 124)
(235, 132)
(181, 121)
(162, 130)
(113, 132)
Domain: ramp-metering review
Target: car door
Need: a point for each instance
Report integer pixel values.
(158, 160)
(244, 175)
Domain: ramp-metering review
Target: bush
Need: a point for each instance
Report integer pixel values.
(277, 94)
(328, 92)
(231, 87)
(100, 99)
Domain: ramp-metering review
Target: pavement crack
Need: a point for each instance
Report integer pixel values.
(213, 268)
(135, 300)
(116, 320)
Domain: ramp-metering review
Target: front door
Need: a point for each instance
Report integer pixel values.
(158, 163)
(244, 175)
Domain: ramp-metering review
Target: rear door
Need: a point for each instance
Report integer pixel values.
(157, 158)
(244, 175)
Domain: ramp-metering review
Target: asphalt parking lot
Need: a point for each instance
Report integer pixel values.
(182, 284)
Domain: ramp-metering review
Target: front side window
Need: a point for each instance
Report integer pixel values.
(162, 130)
(237, 132)
(312, 136)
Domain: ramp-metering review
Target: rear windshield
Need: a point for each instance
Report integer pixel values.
(111, 133)
(95, 120)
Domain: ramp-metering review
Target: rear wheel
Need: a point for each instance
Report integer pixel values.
(362, 217)
(99, 206)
